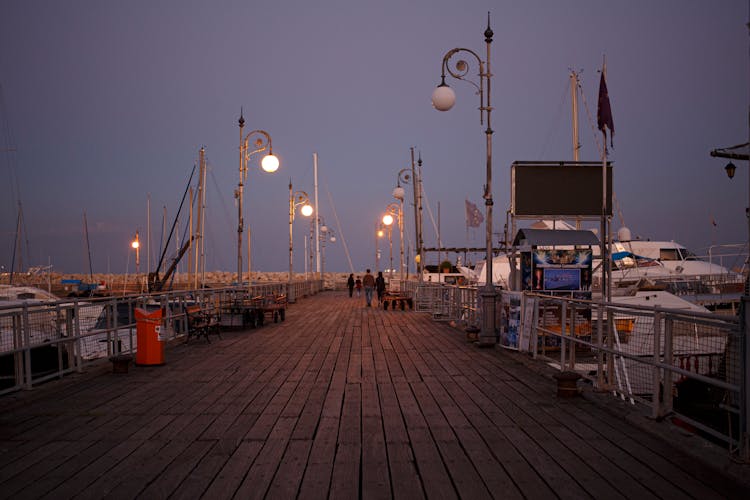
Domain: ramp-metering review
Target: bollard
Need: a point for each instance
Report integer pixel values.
(567, 384)
(120, 363)
(472, 333)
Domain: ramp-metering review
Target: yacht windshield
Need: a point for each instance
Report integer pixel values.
(669, 254)
(688, 255)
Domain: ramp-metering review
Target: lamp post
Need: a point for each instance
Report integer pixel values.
(390, 211)
(136, 245)
(398, 193)
(414, 178)
(378, 234)
(443, 99)
(269, 163)
(296, 198)
(742, 152)
(417, 184)
(326, 234)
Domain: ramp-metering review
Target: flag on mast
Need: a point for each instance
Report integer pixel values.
(474, 216)
(604, 111)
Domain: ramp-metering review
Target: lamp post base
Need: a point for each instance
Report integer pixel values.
(290, 293)
(488, 335)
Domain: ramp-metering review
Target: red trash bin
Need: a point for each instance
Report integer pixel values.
(148, 335)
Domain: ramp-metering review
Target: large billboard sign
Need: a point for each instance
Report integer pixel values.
(565, 189)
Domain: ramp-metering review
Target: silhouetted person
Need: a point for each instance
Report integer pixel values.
(369, 283)
(380, 286)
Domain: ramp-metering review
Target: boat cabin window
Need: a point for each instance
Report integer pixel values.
(669, 254)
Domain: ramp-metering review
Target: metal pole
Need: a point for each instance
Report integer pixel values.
(415, 186)
(377, 249)
(317, 217)
(401, 238)
(574, 105)
(290, 292)
(487, 335)
(390, 248)
(240, 222)
(421, 225)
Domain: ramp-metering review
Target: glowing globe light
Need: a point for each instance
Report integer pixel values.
(388, 219)
(443, 98)
(306, 210)
(135, 244)
(270, 163)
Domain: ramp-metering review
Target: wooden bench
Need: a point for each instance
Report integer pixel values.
(397, 299)
(202, 322)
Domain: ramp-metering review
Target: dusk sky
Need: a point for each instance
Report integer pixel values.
(105, 103)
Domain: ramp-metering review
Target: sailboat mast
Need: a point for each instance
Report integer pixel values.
(574, 112)
(88, 247)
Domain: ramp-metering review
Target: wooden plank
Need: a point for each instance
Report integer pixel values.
(288, 477)
(375, 474)
(260, 475)
(228, 479)
(393, 421)
(405, 478)
(70, 461)
(93, 471)
(346, 469)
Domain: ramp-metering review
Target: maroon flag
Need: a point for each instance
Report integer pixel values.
(473, 216)
(604, 112)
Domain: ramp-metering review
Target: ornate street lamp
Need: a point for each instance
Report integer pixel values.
(296, 199)
(398, 193)
(269, 163)
(379, 233)
(136, 245)
(443, 99)
(392, 210)
(326, 234)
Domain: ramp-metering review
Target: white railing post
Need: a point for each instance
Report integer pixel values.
(599, 346)
(668, 378)
(657, 399)
(563, 322)
(25, 331)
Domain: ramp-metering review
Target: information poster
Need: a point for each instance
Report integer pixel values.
(525, 332)
(510, 324)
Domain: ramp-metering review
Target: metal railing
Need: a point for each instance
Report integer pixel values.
(44, 341)
(687, 365)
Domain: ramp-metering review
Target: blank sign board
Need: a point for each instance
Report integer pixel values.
(569, 189)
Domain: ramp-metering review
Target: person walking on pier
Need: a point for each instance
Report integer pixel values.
(358, 286)
(380, 287)
(369, 283)
(350, 284)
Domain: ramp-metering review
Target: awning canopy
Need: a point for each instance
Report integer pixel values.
(554, 237)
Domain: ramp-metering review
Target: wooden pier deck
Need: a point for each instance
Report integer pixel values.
(338, 401)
